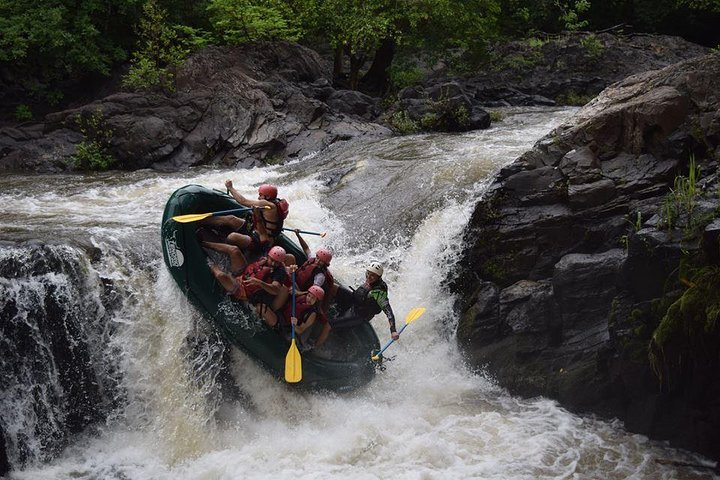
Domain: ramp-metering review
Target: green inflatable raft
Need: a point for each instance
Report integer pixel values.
(341, 364)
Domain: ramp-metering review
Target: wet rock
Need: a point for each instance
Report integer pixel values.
(595, 211)
(233, 106)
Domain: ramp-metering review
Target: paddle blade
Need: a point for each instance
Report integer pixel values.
(193, 217)
(414, 314)
(293, 364)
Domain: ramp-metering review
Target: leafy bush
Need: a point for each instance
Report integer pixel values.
(404, 76)
(92, 155)
(162, 49)
(593, 45)
(23, 113)
(402, 123)
(93, 152)
(496, 116)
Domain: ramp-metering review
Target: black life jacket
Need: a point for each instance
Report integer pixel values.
(306, 274)
(365, 304)
(273, 228)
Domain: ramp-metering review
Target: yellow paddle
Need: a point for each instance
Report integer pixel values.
(293, 362)
(195, 217)
(412, 315)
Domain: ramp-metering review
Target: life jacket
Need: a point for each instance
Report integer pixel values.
(306, 274)
(258, 269)
(273, 228)
(302, 309)
(365, 304)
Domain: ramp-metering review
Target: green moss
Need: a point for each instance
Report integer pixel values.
(688, 331)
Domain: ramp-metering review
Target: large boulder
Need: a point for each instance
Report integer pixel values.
(232, 106)
(587, 232)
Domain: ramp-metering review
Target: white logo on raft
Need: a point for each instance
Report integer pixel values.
(174, 254)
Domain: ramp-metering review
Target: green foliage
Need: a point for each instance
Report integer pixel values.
(23, 113)
(688, 332)
(496, 116)
(243, 21)
(535, 42)
(446, 117)
(92, 153)
(160, 51)
(53, 40)
(402, 76)
(682, 197)
(521, 62)
(402, 123)
(593, 45)
(571, 12)
(571, 97)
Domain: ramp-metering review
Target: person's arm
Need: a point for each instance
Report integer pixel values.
(303, 243)
(273, 288)
(246, 202)
(381, 298)
(306, 324)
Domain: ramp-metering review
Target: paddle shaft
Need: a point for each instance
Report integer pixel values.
(391, 341)
(293, 305)
(230, 212)
(320, 234)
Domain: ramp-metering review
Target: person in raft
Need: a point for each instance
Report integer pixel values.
(269, 215)
(315, 271)
(307, 313)
(368, 300)
(264, 284)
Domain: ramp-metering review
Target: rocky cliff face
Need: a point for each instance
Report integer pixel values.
(574, 255)
(232, 106)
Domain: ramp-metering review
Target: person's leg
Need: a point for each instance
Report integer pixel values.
(228, 221)
(240, 240)
(237, 259)
(267, 314)
(227, 281)
(281, 298)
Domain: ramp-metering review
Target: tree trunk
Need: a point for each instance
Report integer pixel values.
(377, 78)
(338, 63)
(356, 63)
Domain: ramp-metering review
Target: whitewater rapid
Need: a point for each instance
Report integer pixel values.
(194, 409)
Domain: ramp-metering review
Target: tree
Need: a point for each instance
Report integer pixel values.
(160, 51)
(243, 21)
(48, 41)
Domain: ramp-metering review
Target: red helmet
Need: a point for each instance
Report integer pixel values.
(268, 191)
(277, 254)
(324, 255)
(317, 292)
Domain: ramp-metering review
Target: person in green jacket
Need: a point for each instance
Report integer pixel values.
(368, 300)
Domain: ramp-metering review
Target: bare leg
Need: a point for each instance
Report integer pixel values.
(281, 299)
(242, 241)
(229, 221)
(267, 314)
(237, 259)
(225, 280)
(290, 260)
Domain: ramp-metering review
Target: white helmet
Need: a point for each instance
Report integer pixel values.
(375, 268)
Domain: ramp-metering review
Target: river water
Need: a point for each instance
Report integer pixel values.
(174, 412)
